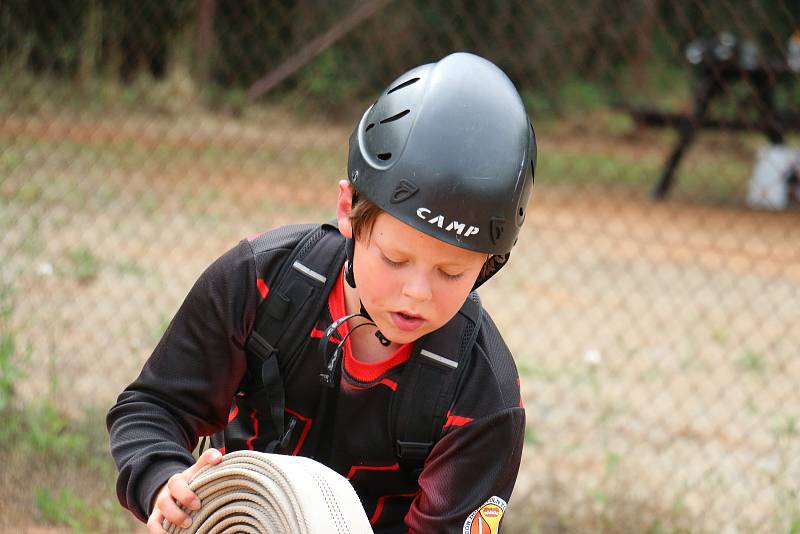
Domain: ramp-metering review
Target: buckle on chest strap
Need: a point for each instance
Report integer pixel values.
(413, 450)
(259, 346)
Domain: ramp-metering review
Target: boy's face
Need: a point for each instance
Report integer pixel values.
(409, 282)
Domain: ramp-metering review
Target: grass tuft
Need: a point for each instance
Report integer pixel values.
(84, 265)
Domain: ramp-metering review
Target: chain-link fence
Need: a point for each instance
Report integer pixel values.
(657, 340)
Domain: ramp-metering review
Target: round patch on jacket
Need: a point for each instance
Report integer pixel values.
(486, 519)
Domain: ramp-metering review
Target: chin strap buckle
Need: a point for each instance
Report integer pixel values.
(385, 342)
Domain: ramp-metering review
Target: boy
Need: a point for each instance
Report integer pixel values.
(440, 171)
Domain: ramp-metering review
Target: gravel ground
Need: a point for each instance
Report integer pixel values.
(656, 343)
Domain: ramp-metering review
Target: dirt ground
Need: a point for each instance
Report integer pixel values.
(656, 342)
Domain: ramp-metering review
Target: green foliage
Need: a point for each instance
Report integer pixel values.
(573, 96)
(83, 263)
(231, 99)
(786, 427)
(659, 83)
(329, 77)
(46, 440)
(559, 57)
(130, 267)
(596, 167)
(65, 37)
(579, 94)
(38, 426)
(532, 437)
(49, 431)
(617, 123)
(62, 508)
(10, 371)
(41, 435)
(537, 103)
(612, 461)
(752, 362)
(65, 507)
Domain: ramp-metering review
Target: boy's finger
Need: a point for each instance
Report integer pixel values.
(209, 457)
(172, 512)
(180, 491)
(154, 523)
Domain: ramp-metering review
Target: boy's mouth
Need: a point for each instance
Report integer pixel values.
(406, 321)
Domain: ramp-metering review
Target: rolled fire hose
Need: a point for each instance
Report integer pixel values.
(253, 493)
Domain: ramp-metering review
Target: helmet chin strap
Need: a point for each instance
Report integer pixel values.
(350, 277)
(348, 266)
(331, 363)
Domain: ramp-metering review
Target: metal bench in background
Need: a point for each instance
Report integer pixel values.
(719, 64)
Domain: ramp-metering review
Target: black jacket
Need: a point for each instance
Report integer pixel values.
(186, 387)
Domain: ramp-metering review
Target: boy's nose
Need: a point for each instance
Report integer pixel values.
(417, 287)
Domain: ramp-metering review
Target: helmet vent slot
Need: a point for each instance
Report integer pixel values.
(385, 156)
(404, 84)
(369, 127)
(395, 117)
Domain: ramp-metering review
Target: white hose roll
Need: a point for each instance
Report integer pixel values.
(253, 492)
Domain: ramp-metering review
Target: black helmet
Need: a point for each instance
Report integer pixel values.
(449, 150)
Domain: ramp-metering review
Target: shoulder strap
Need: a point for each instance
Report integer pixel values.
(429, 383)
(284, 319)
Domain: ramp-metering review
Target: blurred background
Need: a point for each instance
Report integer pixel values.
(652, 303)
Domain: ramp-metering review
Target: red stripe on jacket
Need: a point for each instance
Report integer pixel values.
(254, 419)
(262, 287)
(388, 382)
(306, 427)
(456, 420)
(353, 469)
(379, 507)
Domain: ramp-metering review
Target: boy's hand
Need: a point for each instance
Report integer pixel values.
(176, 491)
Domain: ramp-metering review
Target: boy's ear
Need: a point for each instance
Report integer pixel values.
(343, 206)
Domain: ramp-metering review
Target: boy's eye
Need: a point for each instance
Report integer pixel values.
(449, 276)
(390, 262)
